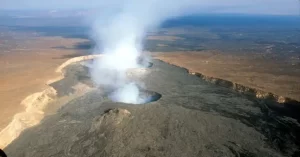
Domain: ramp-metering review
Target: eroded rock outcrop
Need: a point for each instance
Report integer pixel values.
(34, 113)
(244, 89)
(35, 105)
(112, 118)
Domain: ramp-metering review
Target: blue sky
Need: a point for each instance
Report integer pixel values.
(210, 6)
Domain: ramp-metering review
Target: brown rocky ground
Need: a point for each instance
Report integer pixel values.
(25, 69)
(257, 71)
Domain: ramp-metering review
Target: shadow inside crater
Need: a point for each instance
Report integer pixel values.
(143, 97)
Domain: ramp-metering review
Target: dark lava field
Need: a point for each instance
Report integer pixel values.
(188, 117)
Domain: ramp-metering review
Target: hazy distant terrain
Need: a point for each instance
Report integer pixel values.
(278, 35)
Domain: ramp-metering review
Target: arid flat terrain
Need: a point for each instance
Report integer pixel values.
(253, 70)
(27, 63)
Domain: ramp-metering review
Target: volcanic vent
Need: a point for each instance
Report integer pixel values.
(123, 85)
(134, 95)
(131, 92)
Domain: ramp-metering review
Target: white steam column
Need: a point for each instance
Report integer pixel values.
(120, 35)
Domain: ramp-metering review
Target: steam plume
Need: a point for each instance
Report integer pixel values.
(120, 34)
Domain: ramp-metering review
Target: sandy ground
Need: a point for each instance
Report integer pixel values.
(26, 71)
(252, 70)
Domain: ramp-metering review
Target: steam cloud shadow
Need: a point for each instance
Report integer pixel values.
(86, 45)
(62, 31)
(82, 48)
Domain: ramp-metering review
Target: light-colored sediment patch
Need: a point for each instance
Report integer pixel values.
(68, 62)
(80, 88)
(35, 105)
(162, 45)
(164, 37)
(76, 59)
(137, 72)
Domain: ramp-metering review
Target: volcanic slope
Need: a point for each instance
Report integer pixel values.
(192, 118)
